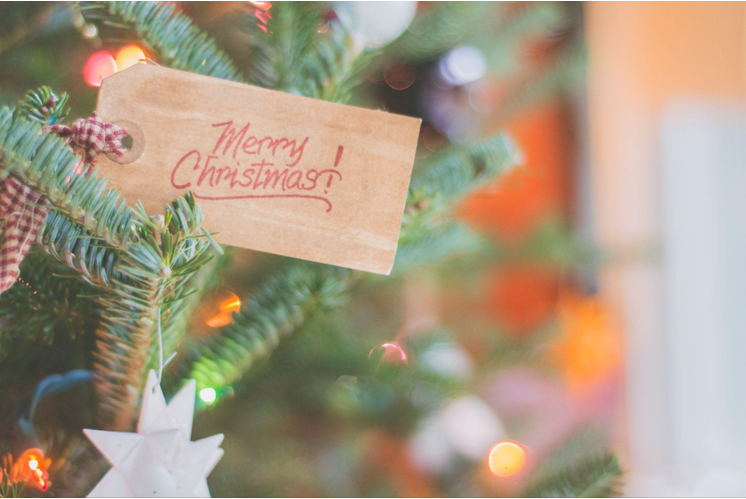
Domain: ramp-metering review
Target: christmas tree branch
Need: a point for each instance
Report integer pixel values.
(43, 305)
(137, 263)
(278, 54)
(290, 52)
(179, 43)
(595, 476)
(44, 162)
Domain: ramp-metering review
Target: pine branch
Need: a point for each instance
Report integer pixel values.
(450, 178)
(595, 476)
(275, 311)
(179, 43)
(445, 242)
(41, 304)
(278, 54)
(137, 263)
(293, 56)
(46, 163)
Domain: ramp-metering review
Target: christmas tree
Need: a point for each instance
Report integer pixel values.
(319, 384)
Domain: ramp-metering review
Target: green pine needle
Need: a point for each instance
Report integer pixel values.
(595, 476)
(178, 42)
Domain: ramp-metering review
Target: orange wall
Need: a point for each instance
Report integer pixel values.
(644, 56)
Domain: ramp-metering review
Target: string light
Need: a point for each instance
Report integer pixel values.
(390, 352)
(229, 304)
(34, 468)
(506, 459)
(128, 57)
(400, 77)
(99, 66)
(462, 65)
(208, 395)
(261, 5)
(89, 31)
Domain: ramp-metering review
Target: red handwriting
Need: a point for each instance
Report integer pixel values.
(254, 145)
(234, 165)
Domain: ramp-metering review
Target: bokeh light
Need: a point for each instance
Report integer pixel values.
(261, 5)
(390, 353)
(89, 31)
(506, 459)
(377, 23)
(220, 311)
(34, 468)
(208, 395)
(400, 77)
(99, 66)
(129, 56)
(462, 65)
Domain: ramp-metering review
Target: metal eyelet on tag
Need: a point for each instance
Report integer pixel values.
(137, 138)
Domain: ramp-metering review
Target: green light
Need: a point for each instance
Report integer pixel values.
(208, 395)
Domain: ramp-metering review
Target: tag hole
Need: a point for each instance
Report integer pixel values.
(133, 143)
(127, 142)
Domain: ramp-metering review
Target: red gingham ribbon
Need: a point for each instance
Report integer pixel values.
(93, 136)
(22, 212)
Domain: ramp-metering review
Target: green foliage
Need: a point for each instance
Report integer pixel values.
(274, 311)
(333, 71)
(44, 107)
(594, 476)
(445, 242)
(566, 70)
(18, 20)
(294, 56)
(441, 27)
(279, 54)
(179, 43)
(41, 305)
(450, 177)
(139, 265)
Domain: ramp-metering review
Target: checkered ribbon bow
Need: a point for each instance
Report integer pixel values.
(93, 136)
(22, 212)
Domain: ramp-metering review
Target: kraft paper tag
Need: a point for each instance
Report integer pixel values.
(272, 171)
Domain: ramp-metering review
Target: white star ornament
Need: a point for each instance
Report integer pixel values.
(160, 460)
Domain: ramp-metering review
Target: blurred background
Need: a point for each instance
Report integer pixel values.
(594, 305)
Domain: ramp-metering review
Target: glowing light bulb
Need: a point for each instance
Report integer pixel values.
(261, 5)
(99, 66)
(389, 352)
(224, 315)
(37, 465)
(129, 56)
(400, 77)
(462, 65)
(208, 395)
(89, 31)
(506, 459)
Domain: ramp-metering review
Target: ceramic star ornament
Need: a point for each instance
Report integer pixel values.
(160, 460)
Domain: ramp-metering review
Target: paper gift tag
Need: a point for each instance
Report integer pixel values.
(272, 171)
